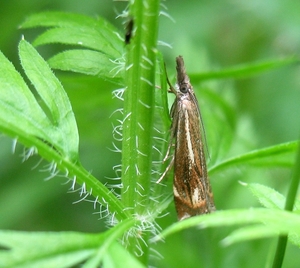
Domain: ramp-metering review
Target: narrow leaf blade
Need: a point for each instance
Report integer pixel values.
(89, 62)
(77, 29)
(65, 135)
(278, 155)
(19, 108)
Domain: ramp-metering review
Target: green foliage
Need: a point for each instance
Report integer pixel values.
(45, 121)
(100, 42)
(245, 70)
(62, 249)
(275, 222)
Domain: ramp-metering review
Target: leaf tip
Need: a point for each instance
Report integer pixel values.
(226, 242)
(243, 183)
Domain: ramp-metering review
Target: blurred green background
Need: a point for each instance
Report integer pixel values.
(210, 35)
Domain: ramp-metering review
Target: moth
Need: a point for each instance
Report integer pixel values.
(191, 187)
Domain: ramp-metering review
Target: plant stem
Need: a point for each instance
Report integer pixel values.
(289, 205)
(139, 106)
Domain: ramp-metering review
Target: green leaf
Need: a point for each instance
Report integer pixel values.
(63, 132)
(278, 155)
(103, 60)
(21, 115)
(259, 232)
(46, 249)
(249, 233)
(89, 62)
(279, 221)
(65, 249)
(19, 108)
(268, 197)
(245, 70)
(52, 131)
(76, 29)
(124, 259)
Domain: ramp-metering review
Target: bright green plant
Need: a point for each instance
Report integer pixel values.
(45, 123)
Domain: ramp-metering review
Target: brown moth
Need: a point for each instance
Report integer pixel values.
(191, 187)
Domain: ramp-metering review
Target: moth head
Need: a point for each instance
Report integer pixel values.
(183, 80)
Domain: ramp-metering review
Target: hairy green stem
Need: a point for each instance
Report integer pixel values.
(139, 104)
